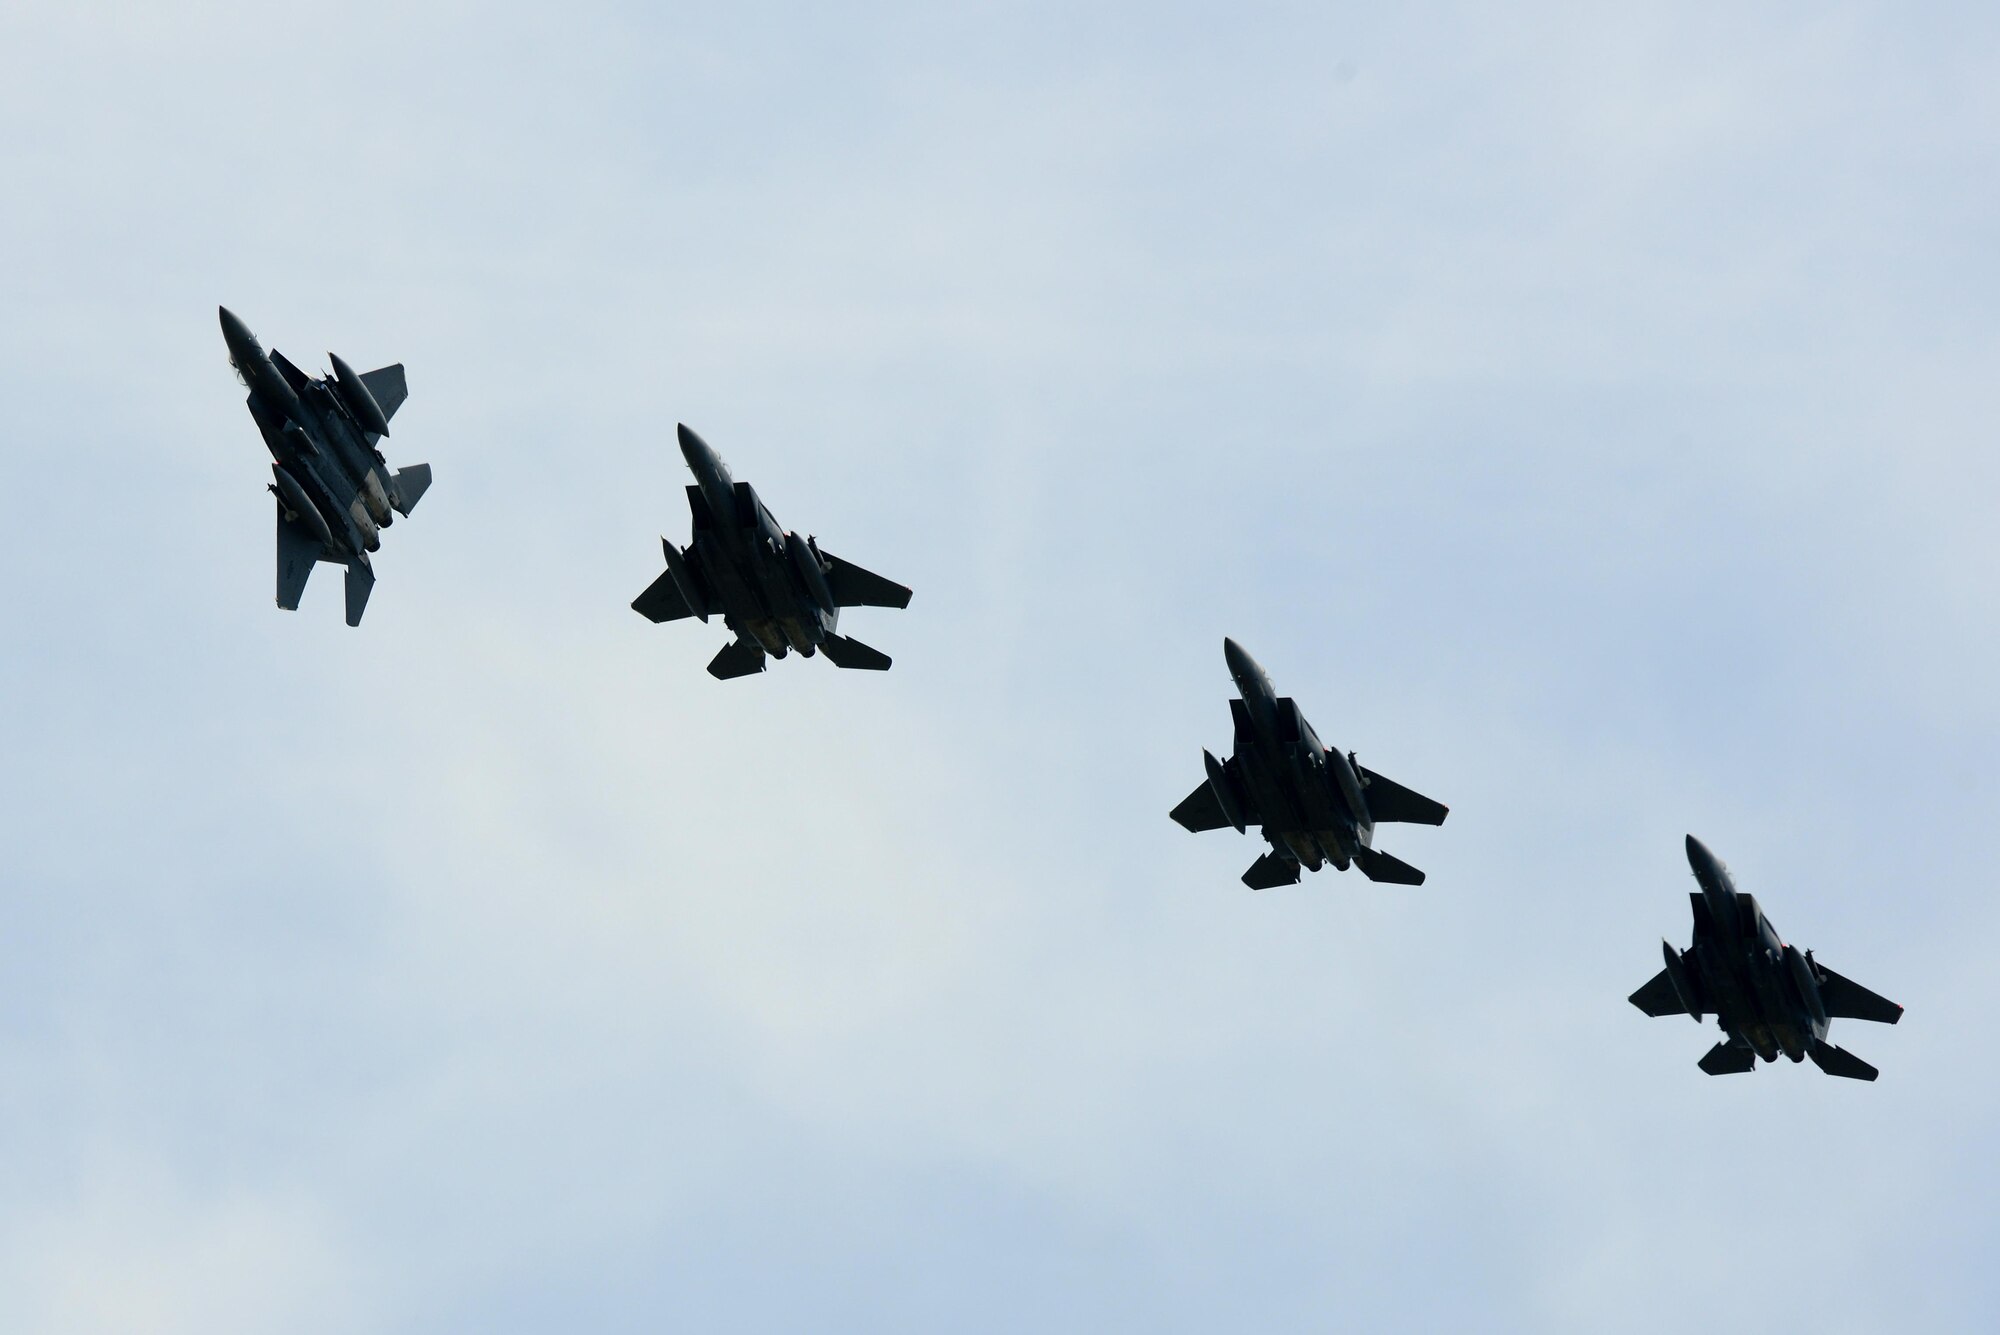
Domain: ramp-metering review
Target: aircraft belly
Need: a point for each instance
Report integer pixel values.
(1316, 799)
(338, 522)
(792, 620)
(1779, 1023)
(1735, 1010)
(1267, 794)
(1302, 848)
(740, 605)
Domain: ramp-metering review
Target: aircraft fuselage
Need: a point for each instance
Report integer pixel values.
(1291, 777)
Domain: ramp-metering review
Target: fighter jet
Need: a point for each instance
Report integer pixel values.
(1315, 804)
(1768, 997)
(334, 490)
(776, 590)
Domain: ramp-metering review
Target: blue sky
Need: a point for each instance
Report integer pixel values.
(1584, 414)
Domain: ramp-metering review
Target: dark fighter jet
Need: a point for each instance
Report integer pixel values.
(1315, 804)
(1768, 997)
(776, 590)
(334, 490)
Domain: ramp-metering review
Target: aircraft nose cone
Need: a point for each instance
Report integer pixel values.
(234, 331)
(1699, 857)
(694, 449)
(1240, 662)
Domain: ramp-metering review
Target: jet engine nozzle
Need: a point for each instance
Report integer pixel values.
(354, 392)
(377, 496)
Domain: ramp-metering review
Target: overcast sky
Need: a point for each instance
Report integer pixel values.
(1586, 412)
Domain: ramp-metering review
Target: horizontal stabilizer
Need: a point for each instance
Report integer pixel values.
(1850, 1000)
(1658, 997)
(388, 389)
(298, 548)
(845, 653)
(409, 486)
(854, 587)
(1271, 871)
(662, 600)
(1379, 866)
(1200, 811)
(1728, 1059)
(1839, 1061)
(360, 583)
(739, 659)
(1390, 801)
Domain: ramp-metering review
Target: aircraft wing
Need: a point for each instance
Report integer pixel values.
(852, 586)
(1850, 1000)
(1390, 801)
